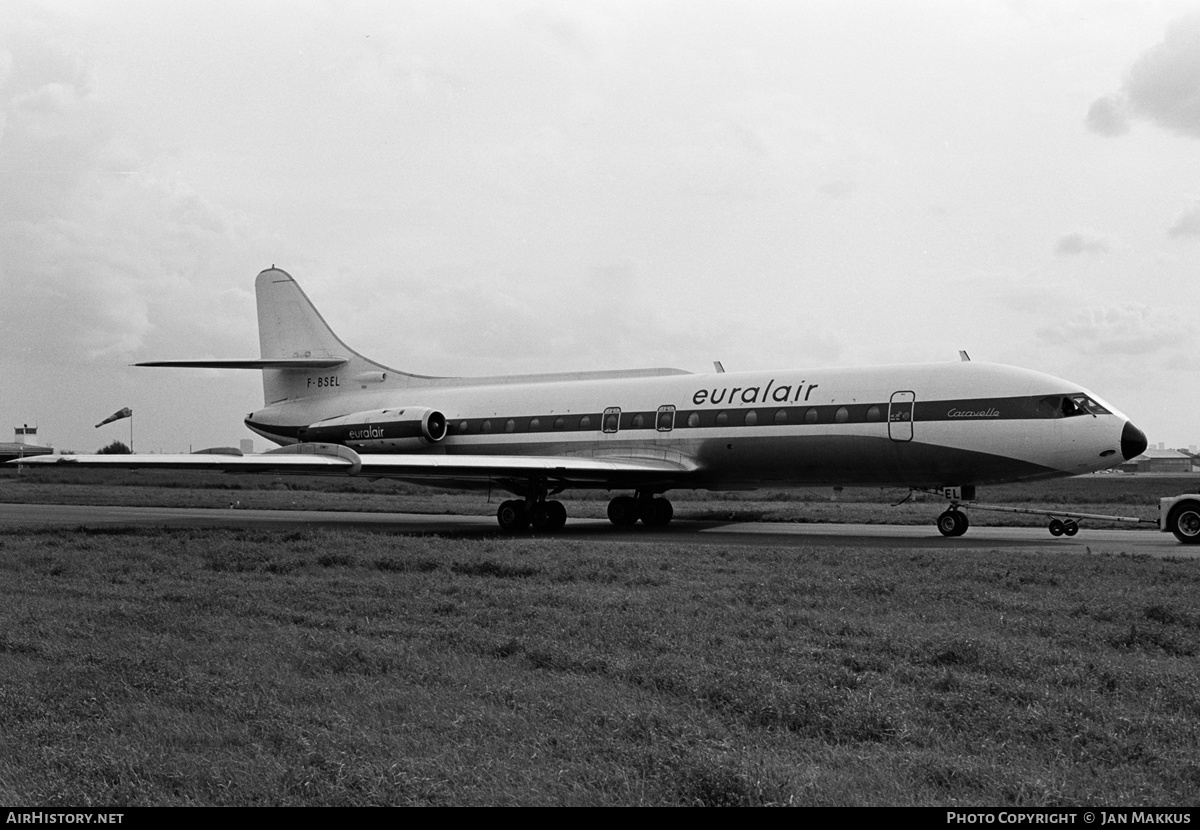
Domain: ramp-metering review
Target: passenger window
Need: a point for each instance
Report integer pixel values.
(535, 425)
(487, 426)
(694, 419)
(722, 418)
(781, 416)
(811, 416)
(751, 418)
(842, 415)
(560, 422)
(638, 421)
(462, 426)
(874, 414)
(510, 425)
(585, 422)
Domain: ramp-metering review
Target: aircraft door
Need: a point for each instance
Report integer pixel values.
(900, 416)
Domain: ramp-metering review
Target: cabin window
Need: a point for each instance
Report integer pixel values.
(811, 416)
(510, 425)
(722, 418)
(842, 415)
(693, 419)
(463, 426)
(535, 425)
(487, 426)
(751, 418)
(638, 421)
(874, 413)
(585, 422)
(781, 416)
(560, 422)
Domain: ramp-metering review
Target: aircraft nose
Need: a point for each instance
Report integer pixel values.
(1133, 441)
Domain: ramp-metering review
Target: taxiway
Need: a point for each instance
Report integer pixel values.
(1145, 542)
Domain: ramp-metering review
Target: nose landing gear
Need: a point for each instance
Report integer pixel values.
(953, 522)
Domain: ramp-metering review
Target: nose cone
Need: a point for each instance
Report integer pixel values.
(1133, 441)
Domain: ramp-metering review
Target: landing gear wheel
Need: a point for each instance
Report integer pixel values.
(556, 516)
(538, 517)
(1184, 522)
(1070, 528)
(512, 516)
(952, 523)
(1057, 527)
(623, 511)
(656, 512)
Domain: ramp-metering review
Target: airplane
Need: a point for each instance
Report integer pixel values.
(945, 427)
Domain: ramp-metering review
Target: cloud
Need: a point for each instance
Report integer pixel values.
(1125, 330)
(1162, 86)
(1081, 242)
(1187, 223)
(95, 239)
(1107, 115)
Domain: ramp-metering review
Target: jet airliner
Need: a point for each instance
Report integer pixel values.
(645, 432)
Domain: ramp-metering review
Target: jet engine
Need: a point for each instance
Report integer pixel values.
(381, 430)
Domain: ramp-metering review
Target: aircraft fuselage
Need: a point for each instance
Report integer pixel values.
(925, 425)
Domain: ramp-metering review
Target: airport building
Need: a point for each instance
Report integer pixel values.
(21, 446)
(1159, 461)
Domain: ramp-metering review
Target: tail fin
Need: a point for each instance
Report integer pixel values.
(301, 356)
(289, 325)
(292, 332)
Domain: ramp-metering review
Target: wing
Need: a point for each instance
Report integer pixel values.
(334, 459)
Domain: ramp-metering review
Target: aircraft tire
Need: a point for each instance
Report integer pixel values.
(1184, 522)
(512, 516)
(1070, 528)
(1057, 528)
(623, 511)
(556, 516)
(952, 523)
(657, 512)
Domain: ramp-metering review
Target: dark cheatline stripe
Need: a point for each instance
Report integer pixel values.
(1040, 407)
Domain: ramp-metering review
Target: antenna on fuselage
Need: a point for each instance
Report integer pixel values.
(717, 365)
(963, 356)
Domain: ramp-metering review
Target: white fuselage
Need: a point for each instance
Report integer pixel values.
(925, 425)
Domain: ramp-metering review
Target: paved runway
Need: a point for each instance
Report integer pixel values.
(1145, 542)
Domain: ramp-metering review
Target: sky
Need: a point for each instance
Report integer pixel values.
(509, 186)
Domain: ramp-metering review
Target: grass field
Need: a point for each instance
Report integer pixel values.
(235, 667)
(231, 667)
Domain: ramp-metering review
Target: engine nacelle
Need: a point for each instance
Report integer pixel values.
(381, 430)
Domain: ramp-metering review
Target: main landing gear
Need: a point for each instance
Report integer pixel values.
(515, 515)
(542, 515)
(624, 511)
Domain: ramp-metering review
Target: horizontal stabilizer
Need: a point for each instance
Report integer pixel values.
(273, 363)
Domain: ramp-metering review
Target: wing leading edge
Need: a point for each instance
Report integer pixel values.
(333, 459)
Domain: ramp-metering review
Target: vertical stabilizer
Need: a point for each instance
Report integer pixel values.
(289, 325)
(291, 328)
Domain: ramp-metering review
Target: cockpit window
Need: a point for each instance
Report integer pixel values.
(1089, 406)
(1068, 406)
